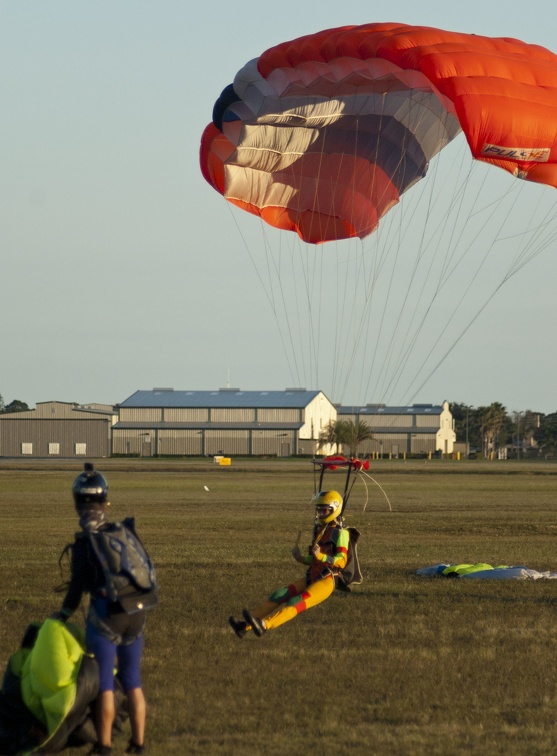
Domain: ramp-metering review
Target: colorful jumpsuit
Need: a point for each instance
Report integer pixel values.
(318, 584)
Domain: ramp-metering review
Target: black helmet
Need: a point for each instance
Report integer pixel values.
(89, 488)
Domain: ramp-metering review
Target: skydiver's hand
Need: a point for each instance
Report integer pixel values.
(316, 551)
(58, 616)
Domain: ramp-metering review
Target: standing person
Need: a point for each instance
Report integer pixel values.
(325, 559)
(111, 632)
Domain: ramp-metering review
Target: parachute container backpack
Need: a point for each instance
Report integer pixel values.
(129, 573)
(351, 574)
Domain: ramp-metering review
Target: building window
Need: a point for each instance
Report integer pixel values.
(54, 448)
(26, 448)
(81, 449)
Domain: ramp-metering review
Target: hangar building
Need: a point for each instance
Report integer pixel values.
(231, 422)
(58, 429)
(228, 421)
(418, 429)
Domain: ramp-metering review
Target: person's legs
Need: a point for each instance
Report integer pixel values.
(105, 654)
(138, 714)
(308, 597)
(129, 673)
(280, 596)
(104, 717)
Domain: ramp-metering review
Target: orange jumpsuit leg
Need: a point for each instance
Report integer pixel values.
(306, 597)
(280, 596)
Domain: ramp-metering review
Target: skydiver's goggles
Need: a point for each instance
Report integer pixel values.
(324, 510)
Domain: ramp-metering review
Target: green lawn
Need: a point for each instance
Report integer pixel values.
(403, 665)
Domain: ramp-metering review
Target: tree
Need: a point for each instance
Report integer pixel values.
(465, 422)
(1, 403)
(496, 428)
(486, 428)
(355, 433)
(546, 433)
(468, 424)
(332, 434)
(525, 427)
(347, 432)
(16, 406)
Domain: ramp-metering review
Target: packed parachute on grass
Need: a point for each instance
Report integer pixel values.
(484, 571)
(48, 692)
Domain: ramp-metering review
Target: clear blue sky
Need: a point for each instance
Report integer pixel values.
(121, 269)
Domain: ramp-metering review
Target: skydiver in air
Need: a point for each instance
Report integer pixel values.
(325, 559)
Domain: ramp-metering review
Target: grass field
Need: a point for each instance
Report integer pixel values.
(403, 665)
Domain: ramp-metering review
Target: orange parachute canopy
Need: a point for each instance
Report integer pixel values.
(321, 135)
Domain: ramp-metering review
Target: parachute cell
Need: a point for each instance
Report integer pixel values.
(321, 135)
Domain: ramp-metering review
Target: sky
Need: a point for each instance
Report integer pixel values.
(122, 269)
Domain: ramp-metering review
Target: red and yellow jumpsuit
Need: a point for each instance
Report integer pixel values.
(317, 585)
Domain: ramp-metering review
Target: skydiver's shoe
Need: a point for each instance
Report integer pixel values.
(135, 747)
(257, 625)
(239, 626)
(104, 750)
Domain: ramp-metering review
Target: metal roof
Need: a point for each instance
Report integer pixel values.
(206, 426)
(223, 398)
(411, 430)
(381, 409)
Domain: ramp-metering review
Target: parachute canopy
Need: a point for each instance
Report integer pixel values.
(485, 571)
(321, 135)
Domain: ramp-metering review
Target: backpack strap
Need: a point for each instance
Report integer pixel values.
(352, 573)
(102, 561)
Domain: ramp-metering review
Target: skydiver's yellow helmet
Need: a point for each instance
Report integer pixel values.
(328, 506)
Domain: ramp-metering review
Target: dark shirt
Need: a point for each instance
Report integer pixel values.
(87, 574)
(88, 577)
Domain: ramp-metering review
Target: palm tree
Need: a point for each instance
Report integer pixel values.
(492, 422)
(333, 434)
(355, 433)
(347, 432)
